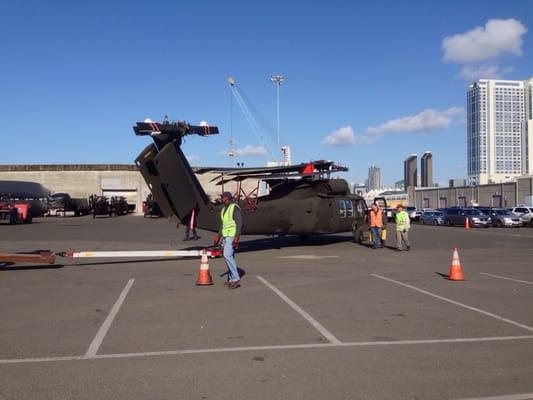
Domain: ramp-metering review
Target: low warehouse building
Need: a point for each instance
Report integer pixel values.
(82, 180)
(507, 194)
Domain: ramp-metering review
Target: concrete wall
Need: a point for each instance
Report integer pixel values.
(497, 195)
(524, 190)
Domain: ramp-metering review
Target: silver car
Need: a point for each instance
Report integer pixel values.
(432, 218)
(525, 213)
(413, 212)
(502, 217)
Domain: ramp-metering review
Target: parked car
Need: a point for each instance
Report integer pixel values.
(458, 216)
(414, 214)
(501, 217)
(525, 213)
(432, 218)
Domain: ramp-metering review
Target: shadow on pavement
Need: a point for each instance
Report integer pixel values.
(278, 242)
(9, 267)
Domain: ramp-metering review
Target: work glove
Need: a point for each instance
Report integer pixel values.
(216, 240)
(235, 242)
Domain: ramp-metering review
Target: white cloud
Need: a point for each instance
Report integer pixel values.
(346, 136)
(340, 137)
(498, 37)
(250, 150)
(425, 121)
(473, 73)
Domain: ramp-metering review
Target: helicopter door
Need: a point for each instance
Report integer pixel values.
(343, 220)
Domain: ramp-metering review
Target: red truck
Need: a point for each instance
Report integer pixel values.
(15, 212)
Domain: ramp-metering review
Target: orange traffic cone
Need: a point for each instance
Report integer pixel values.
(456, 274)
(204, 277)
(467, 223)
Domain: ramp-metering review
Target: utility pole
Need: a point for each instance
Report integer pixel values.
(278, 80)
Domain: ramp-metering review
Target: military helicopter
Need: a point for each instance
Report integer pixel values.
(303, 199)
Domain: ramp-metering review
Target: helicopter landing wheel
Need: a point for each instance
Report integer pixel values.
(357, 235)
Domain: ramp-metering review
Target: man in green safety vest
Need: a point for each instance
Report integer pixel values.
(229, 233)
(403, 223)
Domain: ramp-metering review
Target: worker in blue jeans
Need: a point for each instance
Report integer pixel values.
(376, 225)
(229, 233)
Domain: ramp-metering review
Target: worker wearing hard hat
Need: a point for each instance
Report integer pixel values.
(229, 233)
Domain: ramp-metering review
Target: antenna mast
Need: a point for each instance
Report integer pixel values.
(278, 80)
(231, 153)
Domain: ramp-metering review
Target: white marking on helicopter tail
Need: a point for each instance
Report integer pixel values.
(308, 257)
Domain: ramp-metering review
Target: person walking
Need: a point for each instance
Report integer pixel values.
(229, 233)
(403, 224)
(376, 225)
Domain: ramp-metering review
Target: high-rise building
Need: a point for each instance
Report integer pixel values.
(410, 173)
(457, 182)
(499, 130)
(426, 167)
(374, 178)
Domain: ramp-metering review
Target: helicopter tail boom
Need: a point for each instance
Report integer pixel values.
(170, 178)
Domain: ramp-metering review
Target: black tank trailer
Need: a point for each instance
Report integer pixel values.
(303, 198)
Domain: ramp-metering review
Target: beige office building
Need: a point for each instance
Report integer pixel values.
(499, 130)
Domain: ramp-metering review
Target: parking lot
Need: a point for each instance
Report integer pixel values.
(316, 320)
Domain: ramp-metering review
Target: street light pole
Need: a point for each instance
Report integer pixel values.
(277, 79)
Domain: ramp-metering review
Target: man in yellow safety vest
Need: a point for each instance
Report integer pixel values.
(403, 224)
(229, 233)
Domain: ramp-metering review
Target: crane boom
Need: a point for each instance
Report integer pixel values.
(248, 115)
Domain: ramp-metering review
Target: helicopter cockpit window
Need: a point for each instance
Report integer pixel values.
(349, 209)
(358, 208)
(342, 208)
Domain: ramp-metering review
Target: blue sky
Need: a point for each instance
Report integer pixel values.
(364, 83)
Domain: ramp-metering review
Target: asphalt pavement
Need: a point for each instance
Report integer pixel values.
(321, 319)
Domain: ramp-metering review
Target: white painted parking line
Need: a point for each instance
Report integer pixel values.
(493, 233)
(41, 360)
(521, 396)
(508, 279)
(308, 257)
(485, 231)
(266, 348)
(323, 331)
(509, 321)
(100, 335)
